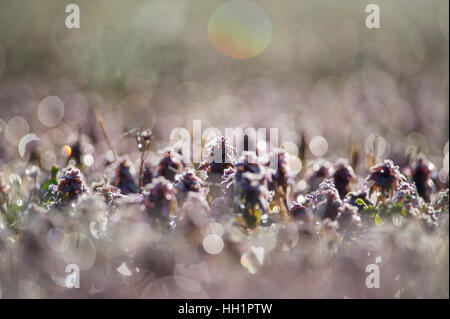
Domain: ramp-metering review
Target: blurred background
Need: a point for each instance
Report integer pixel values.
(310, 68)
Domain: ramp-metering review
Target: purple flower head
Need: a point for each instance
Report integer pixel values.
(280, 176)
(406, 194)
(188, 181)
(317, 172)
(70, 186)
(250, 192)
(300, 212)
(421, 176)
(159, 198)
(124, 180)
(326, 201)
(169, 166)
(220, 156)
(343, 177)
(248, 163)
(385, 177)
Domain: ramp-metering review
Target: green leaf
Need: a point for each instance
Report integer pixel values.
(55, 171)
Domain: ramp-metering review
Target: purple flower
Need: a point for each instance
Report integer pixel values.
(385, 178)
(159, 198)
(317, 172)
(421, 176)
(279, 176)
(325, 202)
(70, 186)
(124, 180)
(300, 212)
(220, 156)
(169, 166)
(188, 181)
(250, 193)
(343, 177)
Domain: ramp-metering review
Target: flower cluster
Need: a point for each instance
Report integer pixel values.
(325, 202)
(343, 177)
(250, 191)
(421, 176)
(188, 181)
(70, 186)
(244, 206)
(385, 178)
(169, 166)
(124, 180)
(220, 156)
(159, 199)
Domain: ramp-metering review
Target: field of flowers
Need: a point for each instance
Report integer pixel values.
(97, 202)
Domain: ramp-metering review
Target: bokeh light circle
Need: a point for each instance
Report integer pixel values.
(318, 146)
(213, 244)
(15, 129)
(294, 163)
(50, 111)
(239, 29)
(57, 240)
(48, 160)
(79, 250)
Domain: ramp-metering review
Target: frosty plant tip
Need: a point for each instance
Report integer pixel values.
(237, 141)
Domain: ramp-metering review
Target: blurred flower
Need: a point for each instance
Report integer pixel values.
(317, 172)
(124, 180)
(385, 178)
(325, 202)
(250, 193)
(188, 181)
(248, 163)
(348, 218)
(406, 194)
(343, 177)
(220, 155)
(281, 175)
(159, 198)
(169, 166)
(300, 212)
(421, 176)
